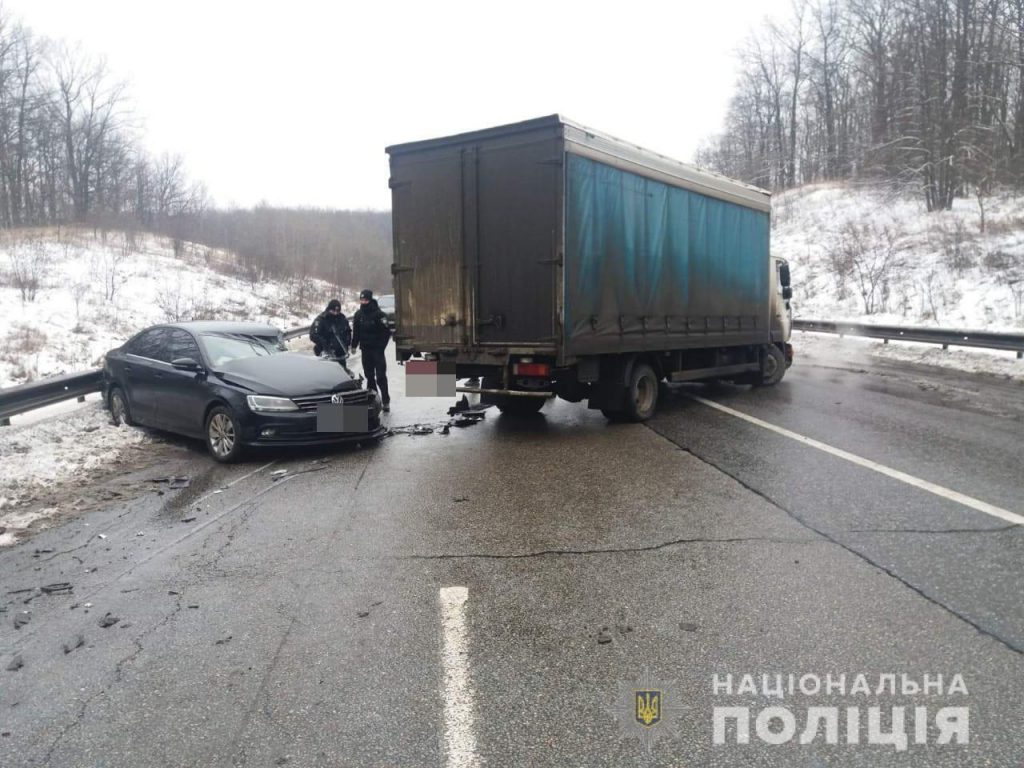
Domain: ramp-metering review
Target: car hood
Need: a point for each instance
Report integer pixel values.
(288, 374)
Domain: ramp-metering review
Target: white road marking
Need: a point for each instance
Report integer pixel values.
(237, 480)
(459, 733)
(938, 490)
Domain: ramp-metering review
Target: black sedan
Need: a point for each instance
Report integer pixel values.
(236, 385)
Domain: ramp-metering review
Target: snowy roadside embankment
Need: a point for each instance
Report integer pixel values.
(873, 256)
(69, 296)
(64, 448)
(853, 351)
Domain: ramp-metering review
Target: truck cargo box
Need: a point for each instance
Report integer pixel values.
(547, 237)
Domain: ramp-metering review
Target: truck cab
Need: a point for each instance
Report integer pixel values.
(781, 310)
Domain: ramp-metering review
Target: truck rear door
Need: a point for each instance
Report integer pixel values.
(517, 211)
(428, 249)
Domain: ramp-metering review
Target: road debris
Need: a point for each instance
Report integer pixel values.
(362, 614)
(57, 588)
(688, 626)
(109, 620)
(188, 519)
(16, 664)
(604, 637)
(21, 619)
(463, 407)
(174, 482)
(223, 640)
(460, 499)
(75, 643)
(279, 473)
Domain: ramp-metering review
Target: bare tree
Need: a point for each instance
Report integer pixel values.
(30, 264)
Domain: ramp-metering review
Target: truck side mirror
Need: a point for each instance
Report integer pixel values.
(787, 292)
(784, 275)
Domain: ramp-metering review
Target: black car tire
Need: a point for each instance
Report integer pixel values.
(120, 410)
(223, 435)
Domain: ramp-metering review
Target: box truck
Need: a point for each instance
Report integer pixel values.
(544, 259)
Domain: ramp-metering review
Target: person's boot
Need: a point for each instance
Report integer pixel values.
(386, 406)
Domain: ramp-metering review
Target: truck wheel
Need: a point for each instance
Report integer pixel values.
(513, 406)
(773, 365)
(642, 394)
(520, 406)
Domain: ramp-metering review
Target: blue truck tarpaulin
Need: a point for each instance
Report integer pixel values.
(645, 257)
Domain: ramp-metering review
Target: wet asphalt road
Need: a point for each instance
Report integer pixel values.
(297, 620)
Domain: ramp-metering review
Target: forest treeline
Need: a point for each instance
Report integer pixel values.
(71, 153)
(925, 94)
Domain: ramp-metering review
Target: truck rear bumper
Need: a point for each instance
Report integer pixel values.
(512, 392)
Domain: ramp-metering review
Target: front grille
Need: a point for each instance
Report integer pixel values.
(348, 397)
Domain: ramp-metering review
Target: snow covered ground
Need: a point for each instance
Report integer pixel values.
(91, 294)
(94, 292)
(63, 447)
(918, 268)
(853, 350)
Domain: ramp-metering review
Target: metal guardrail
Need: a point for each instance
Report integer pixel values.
(947, 337)
(68, 386)
(55, 389)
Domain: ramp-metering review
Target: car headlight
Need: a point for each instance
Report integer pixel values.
(265, 403)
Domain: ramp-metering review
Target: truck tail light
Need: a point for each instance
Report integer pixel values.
(532, 369)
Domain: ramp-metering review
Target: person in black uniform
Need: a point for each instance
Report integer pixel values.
(370, 331)
(330, 331)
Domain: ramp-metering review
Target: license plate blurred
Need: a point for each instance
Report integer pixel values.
(336, 417)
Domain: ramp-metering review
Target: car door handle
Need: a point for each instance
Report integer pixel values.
(128, 369)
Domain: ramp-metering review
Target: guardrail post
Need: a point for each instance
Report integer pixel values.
(81, 398)
(945, 346)
(1020, 354)
(7, 422)
(885, 341)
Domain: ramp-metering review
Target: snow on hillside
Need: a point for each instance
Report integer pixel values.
(92, 292)
(68, 297)
(869, 255)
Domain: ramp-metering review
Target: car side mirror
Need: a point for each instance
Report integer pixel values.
(187, 364)
(787, 293)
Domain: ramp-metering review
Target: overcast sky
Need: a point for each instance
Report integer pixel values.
(293, 102)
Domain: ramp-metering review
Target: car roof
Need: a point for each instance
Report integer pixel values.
(226, 326)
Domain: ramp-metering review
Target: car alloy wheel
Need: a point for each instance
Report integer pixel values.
(119, 412)
(221, 432)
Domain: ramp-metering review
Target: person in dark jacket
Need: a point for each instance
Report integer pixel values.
(371, 332)
(330, 331)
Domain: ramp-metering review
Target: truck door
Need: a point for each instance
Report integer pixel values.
(517, 209)
(427, 226)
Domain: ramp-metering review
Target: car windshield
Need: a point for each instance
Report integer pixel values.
(386, 303)
(222, 348)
